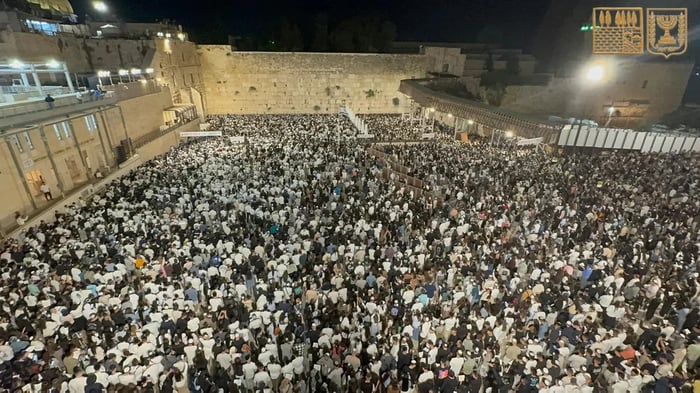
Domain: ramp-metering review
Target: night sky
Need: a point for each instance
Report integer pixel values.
(532, 25)
(211, 21)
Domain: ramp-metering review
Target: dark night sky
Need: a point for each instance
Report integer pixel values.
(211, 21)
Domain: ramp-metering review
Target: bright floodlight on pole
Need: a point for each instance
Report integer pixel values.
(470, 121)
(100, 6)
(595, 73)
(509, 134)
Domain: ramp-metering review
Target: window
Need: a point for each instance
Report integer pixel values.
(192, 78)
(28, 140)
(42, 27)
(644, 85)
(18, 146)
(445, 68)
(66, 129)
(91, 123)
(57, 131)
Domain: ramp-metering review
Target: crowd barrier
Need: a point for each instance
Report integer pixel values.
(619, 139)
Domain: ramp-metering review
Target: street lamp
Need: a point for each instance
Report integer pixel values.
(595, 73)
(123, 73)
(100, 6)
(611, 110)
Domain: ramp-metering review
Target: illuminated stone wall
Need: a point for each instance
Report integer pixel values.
(286, 82)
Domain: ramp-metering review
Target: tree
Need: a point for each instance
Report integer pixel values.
(385, 36)
(290, 36)
(368, 33)
(342, 38)
(320, 41)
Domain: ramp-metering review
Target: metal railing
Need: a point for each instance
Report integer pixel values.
(17, 115)
(18, 95)
(126, 91)
(486, 115)
(153, 135)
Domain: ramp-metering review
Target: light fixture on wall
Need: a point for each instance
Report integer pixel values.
(149, 70)
(16, 64)
(100, 6)
(181, 36)
(470, 121)
(53, 64)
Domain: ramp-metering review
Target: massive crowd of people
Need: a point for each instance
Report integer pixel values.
(391, 127)
(287, 264)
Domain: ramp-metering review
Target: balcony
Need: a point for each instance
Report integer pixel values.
(37, 110)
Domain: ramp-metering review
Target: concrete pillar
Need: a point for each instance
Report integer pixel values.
(25, 80)
(105, 151)
(126, 133)
(37, 82)
(20, 172)
(51, 158)
(77, 146)
(68, 79)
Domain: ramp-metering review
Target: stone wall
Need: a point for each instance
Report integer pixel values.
(81, 55)
(657, 87)
(286, 82)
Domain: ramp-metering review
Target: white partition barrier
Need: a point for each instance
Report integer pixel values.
(619, 139)
(359, 124)
(530, 141)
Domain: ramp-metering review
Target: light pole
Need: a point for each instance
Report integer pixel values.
(611, 110)
(593, 74)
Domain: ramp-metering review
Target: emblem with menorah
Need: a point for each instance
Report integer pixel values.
(620, 31)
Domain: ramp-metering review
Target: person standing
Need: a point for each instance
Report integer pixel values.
(49, 100)
(47, 191)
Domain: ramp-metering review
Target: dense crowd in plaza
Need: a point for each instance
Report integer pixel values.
(288, 264)
(386, 127)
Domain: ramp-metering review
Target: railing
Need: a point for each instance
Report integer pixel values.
(153, 135)
(16, 115)
(11, 95)
(620, 139)
(401, 177)
(126, 91)
(486, 115)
